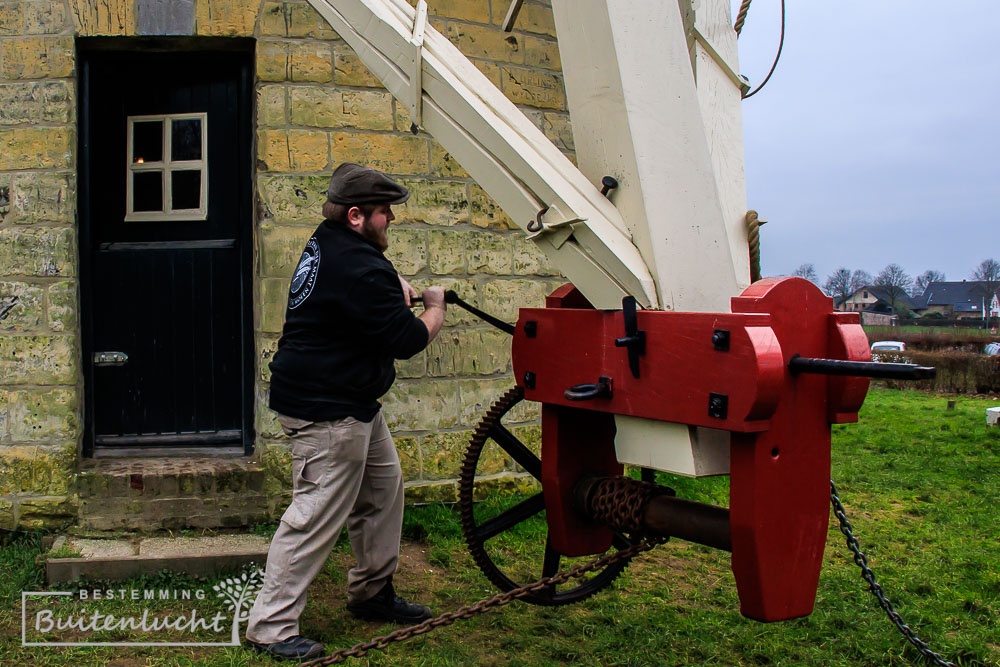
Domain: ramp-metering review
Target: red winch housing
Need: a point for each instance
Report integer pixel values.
(727, 371)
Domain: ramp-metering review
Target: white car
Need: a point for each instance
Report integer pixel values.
(882, 349)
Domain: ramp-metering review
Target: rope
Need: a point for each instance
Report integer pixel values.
(753, 241)
(741, 17)
(777, 57)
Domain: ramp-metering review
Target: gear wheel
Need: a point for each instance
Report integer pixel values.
(479, 532)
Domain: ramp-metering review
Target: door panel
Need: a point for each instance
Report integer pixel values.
(167, 293)
(175, 313)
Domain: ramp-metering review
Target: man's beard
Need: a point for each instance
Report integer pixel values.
(378, 239)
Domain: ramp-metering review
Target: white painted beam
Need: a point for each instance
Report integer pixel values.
(636, 116)
(500, 148)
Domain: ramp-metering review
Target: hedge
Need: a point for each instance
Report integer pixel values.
(966, 340)
(957, 372)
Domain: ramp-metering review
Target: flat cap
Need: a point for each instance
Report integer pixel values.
(353, 184)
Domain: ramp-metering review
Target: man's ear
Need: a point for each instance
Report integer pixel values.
(355, 217)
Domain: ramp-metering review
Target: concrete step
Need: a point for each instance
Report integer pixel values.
(171, 493)
(116, 559)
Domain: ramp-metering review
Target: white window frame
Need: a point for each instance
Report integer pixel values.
(166, 166)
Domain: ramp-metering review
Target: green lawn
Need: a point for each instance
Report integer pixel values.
(921, 487)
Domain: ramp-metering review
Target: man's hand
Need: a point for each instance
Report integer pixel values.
(434, 311)
(434, 297)
(409, 294)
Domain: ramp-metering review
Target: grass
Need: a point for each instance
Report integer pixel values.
(921, 487)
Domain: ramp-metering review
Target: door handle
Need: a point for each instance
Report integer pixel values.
(110, 358)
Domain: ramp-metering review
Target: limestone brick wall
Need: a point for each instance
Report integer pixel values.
(40, 421)
(316, 106)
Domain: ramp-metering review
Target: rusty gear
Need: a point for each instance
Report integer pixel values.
(476, 535)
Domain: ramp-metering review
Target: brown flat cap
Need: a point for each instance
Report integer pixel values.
(353, 184)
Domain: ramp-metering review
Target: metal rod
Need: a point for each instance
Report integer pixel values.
(663, 515)
(452, 297)
(689, 520)
(871, 369)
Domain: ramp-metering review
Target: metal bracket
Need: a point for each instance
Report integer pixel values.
(416, 73)
(718, 405)
(635, 338)
(720, 340)
(558, 231)
(741, 81)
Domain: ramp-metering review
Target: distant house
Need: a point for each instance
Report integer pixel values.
(967, 299)
(875, 305)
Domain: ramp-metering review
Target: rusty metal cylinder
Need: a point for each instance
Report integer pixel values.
(688, 520)
(629, 505)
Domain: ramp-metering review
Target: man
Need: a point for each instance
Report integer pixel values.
(347, 319)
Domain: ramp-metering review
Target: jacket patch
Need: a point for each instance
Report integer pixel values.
(304, 279)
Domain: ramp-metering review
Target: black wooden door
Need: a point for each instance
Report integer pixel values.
(166, 226)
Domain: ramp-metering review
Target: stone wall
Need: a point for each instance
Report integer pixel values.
(40, 415)
(317, 106)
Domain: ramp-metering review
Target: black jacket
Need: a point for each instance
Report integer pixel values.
(345, 323)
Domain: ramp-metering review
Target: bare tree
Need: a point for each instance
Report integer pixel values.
(807, 271)
(988, 275)
(838, 284)
(925, 279)
(894, 281)
(988, 271)
(860, 278)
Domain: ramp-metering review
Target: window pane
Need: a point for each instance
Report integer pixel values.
(147, 191)
(147, 141)
(186, 139)
(185, 188)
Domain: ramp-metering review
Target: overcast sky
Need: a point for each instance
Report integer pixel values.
(877, 139)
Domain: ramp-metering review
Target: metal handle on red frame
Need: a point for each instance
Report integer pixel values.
(585, 392)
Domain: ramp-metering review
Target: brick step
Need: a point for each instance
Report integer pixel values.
(115, 559)
(164, 493)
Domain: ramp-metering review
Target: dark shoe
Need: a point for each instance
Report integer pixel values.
(387, 606)
(293, 648)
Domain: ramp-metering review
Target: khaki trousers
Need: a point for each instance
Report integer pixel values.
(344, 470)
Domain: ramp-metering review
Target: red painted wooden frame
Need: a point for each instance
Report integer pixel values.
(780, 422)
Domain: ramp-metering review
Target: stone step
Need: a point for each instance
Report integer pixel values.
(115, 559)
(169, 493)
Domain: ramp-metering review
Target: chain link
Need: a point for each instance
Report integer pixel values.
(620, 502)
(498, 600)
(866, 573)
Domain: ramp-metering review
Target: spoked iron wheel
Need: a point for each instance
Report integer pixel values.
(497, 534)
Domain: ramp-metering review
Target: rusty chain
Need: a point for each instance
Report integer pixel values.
(620, 502)
(876, 589)
(498, 600)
